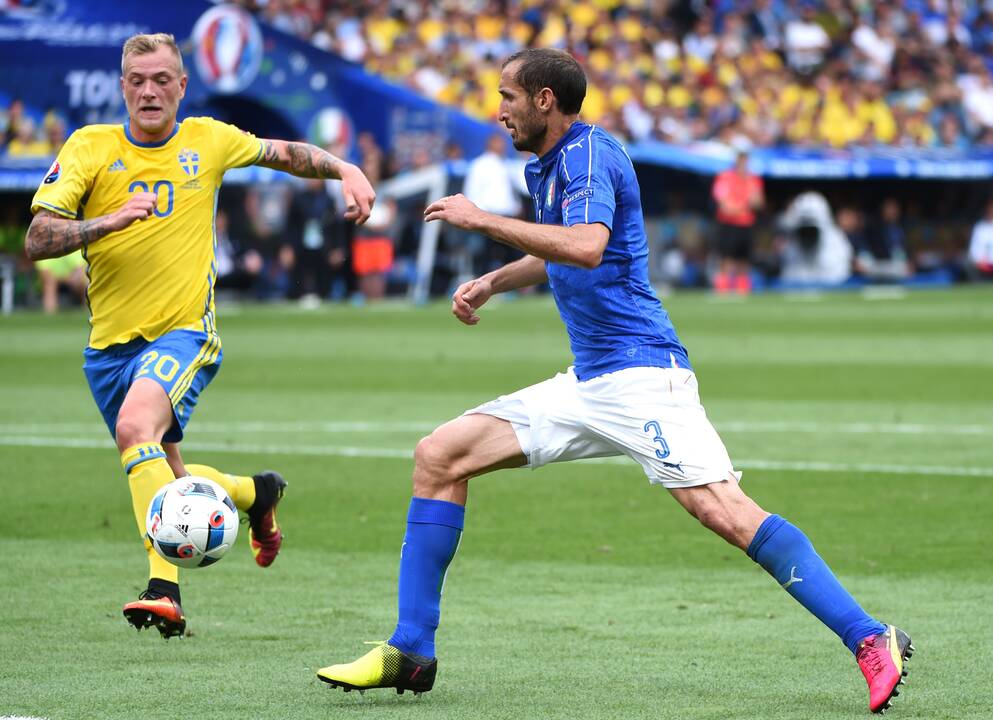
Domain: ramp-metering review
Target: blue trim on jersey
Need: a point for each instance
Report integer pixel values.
(611, 312)
(160, 143)
(86, 292)
(60, 210)
(208, 316)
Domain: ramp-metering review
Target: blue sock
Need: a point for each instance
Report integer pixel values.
(786, 554)
(433, 531)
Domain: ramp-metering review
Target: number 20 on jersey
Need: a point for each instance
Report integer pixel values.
(142, 186)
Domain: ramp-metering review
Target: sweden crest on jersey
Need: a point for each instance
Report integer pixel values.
(189, 160)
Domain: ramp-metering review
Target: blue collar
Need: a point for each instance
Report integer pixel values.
(574, 131)
(160, 143)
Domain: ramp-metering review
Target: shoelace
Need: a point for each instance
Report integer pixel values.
(874, 657)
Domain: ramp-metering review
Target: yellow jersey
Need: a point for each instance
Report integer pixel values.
(156, 275)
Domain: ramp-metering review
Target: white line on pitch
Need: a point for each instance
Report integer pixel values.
(855, 428)
(407, 454)
(333, 426)
(330, 426)
(244, 448)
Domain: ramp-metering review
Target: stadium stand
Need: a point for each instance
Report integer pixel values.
(817, 74)
(686, 84)
(830, 73)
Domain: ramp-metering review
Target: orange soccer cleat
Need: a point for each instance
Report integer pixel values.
(153, 609)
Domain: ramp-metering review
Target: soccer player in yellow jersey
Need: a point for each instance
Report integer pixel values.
(139, 199)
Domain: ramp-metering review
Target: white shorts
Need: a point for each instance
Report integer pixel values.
(652, 415)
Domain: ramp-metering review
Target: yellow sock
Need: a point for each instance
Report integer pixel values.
(240, 488)
(148, 472)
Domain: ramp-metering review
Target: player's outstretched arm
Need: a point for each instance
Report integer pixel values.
(578, 245)
(309, 161)
(471, 295)
(51, 235)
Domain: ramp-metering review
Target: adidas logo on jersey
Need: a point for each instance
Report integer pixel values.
(116, 166)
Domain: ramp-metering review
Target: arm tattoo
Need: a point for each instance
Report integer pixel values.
(51, 236)
(301, 162)
(301, 159)
(327, 166)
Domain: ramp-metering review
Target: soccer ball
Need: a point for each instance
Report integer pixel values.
(192, 522)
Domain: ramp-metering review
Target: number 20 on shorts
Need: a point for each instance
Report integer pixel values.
(165, 369)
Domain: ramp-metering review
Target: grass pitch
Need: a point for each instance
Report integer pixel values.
(578, 591)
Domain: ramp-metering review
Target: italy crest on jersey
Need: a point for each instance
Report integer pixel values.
(189, 160)
(550, 197)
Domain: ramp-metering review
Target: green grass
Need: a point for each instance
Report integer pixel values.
(578, 591)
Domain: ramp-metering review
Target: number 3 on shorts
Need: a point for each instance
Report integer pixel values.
(652, 426)
(165, 368)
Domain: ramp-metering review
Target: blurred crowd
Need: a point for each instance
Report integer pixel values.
(815, 239)
(831, 73)
(820, 73)
(21, 136)
(284, 242)
(289, 243)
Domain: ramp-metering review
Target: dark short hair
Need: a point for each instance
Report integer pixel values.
(553, 69)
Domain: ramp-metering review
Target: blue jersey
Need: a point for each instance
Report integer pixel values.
(613, 317)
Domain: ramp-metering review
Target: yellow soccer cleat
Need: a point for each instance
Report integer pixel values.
(385, 666)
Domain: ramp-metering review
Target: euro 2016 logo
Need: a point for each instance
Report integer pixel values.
(227, 48)
(189, 160)
(53, 173)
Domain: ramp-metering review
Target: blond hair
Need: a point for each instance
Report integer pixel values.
(144, 44)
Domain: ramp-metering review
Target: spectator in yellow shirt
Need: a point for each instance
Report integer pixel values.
(25, 143)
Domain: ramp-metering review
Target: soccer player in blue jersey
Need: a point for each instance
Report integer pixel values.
(631, 391)
(139, 199)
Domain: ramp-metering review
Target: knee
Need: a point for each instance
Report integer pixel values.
(130, 431)
(434, 464)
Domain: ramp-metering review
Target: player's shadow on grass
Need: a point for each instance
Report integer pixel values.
(376, 700)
